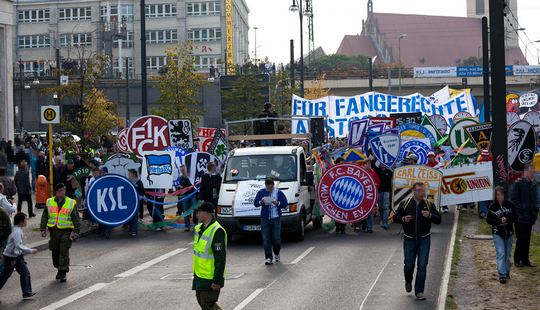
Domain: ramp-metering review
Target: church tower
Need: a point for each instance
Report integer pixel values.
(480, 8)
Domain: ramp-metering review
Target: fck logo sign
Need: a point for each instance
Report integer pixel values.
(147, 134)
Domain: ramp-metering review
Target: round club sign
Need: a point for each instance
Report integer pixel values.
(112, 200)
(347, 193)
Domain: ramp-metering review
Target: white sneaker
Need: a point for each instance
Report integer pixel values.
(268, 262)
(277, 258)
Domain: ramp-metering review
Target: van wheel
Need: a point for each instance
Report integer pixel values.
(300, 229)
(317, 222)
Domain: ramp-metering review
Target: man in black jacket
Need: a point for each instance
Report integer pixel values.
(416, 214)
(265, 126)
(385, 188)
(524, 198)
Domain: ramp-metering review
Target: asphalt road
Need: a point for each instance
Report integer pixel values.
(153, 271)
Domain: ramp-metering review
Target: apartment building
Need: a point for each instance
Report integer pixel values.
(80, 29)
(6, 69)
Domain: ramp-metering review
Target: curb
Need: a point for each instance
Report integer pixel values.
(441, 305)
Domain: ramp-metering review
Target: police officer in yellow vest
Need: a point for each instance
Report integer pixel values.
(209, 255)
(61, 218)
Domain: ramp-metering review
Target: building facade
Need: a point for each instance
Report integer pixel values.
(6, 69)
(80, 29)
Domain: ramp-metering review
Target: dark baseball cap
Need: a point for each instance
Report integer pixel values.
(206, 207)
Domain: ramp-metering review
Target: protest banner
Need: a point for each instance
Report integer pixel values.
(112, 200)
(206, 135)
(511, 118)
(386, 149)
(357, 133)
(459, 140)
(181, 133)
(426, 122)
(521, 145)
(196, 165)
(148, 133)
(219, 147)
(178, 161)
(340, 111)
(406, 176)
(462, 115)
(347, 193)
(120, 164)
(467, 183)
(528, 100)
(122, 141)
(244, 196)
(480, 134)
(157, 169)
(419, 147)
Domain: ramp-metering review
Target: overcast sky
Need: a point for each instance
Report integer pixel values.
(335, 18)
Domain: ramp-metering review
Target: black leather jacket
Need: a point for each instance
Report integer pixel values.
(420, 226)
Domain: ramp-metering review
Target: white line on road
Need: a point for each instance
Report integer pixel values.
(246, 301)
(448, 264)
(191, 243)
(377, 279)
(74, 297)
(148, 264)
(299, 258)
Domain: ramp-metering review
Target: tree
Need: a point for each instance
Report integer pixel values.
(471, 61)
(336, 62)
(244, 100)
(178, 85)
(98, 116)
(317, 90)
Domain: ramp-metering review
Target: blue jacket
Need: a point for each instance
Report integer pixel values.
(265, 210)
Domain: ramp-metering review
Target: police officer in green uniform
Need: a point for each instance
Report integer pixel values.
(209, 255)
(61, 218)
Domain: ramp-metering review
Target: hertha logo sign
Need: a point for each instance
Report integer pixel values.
(347, 193)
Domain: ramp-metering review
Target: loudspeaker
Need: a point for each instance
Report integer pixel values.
(316, 128)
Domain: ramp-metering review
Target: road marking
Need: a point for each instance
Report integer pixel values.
(148, 264)
(191, 243)
(299, 258)
(246, 301)
(74, 297)
(377, 279)
(448, 264)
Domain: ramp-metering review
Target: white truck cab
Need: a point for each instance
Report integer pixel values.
(287, 165)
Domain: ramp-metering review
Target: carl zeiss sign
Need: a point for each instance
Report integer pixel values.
(112, 200)
(347, 193)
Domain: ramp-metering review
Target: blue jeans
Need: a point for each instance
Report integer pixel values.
(271, 235)
(10, 169)
(384, 205)
(18, 263)
(133, 226)
(412, 249)
(266, 142)
(185, 205)
(369, 222)
(503, 252)
(483, 207)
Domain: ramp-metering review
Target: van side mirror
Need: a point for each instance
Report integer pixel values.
(308, 179)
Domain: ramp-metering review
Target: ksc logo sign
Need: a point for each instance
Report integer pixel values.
(112, 200)
(347, 193)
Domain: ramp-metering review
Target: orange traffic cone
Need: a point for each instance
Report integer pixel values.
(42, 191)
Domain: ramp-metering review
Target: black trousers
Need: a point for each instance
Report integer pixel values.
(156, 210)
(523, 241)
(28, 199)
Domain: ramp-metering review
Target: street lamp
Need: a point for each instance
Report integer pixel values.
(297, 7)
(526, 45)
(255, 28)
(401, 36)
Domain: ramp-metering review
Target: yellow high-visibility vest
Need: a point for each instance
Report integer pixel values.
(60, 217)
(203, 255)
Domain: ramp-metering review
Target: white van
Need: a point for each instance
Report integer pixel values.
(258, 164)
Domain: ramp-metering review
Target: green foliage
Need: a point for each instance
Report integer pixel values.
(336, 62)
(178, 85)
(98, 116)
(471, 61)
(281, 92)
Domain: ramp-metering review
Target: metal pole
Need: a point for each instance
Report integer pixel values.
(485, 73)
(144, 95)
(292, 64)
(21, 95)
(51, 160)
(301, 49)
(127, 91)
(370, 69)
(255, 28)
(499, 145)
(399, 65)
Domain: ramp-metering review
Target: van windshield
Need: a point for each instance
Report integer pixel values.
(280, 167)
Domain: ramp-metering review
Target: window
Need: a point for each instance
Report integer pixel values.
(161, 36)
(67, 14)
(204, 8)
(204, 62)
(119, 68)
(204, 35)
(34, 41)
(34, 16)
(126, 43)
(160, 10)
(480, 7)
(156, 62)
(33, 66)
(76, 39)
(123, 10)
(260, 167)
